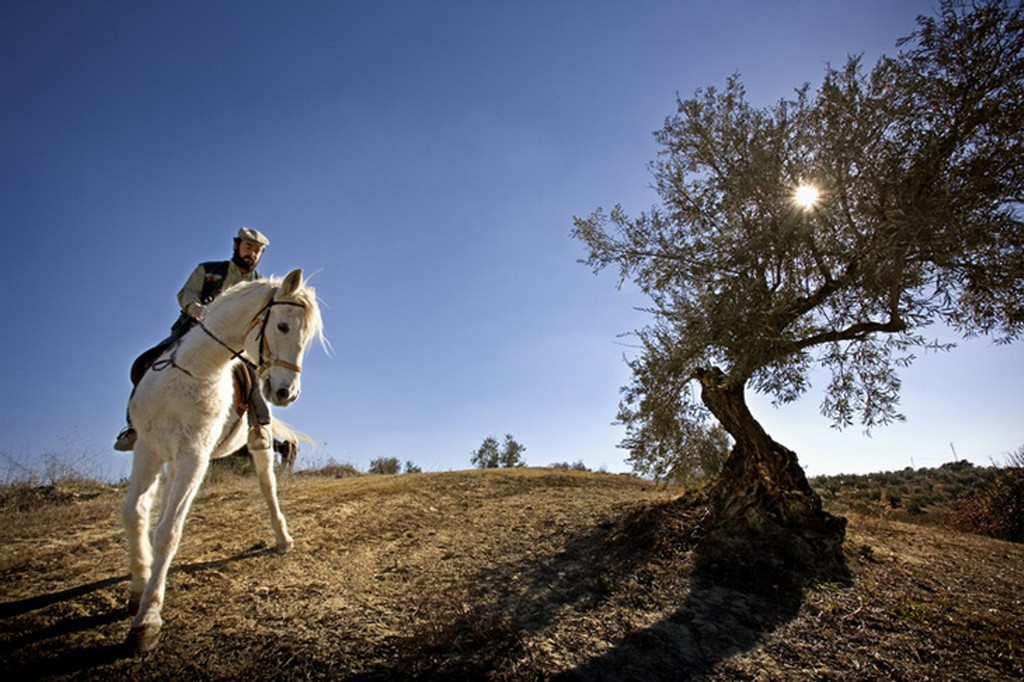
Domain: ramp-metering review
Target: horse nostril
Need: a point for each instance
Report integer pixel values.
(282, 394)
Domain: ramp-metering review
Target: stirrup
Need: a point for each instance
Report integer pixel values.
(126, 439)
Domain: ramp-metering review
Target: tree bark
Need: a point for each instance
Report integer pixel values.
(762, 489)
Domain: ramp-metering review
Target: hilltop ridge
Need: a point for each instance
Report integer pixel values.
(499, 574)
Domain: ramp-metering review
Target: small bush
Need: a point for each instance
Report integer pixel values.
(917, 503)
(25, 496)
(333, 469)
(227, 468)
(575, 466)
(997, 510)
(387, 466)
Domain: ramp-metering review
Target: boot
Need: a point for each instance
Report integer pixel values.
(259, 438)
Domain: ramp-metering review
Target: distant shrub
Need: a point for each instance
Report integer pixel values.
(962, 465)
(384, 465)
(226, 468)
(923, 495)
(389, 466)
(997, 509)
(72, 463)
(575, 466)
(333, 468)
(916, 504)
(23, 496)
(51, 480)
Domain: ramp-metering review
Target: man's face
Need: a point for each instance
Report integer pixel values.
(250, 253)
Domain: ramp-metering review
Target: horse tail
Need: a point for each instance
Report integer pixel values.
(284, 431)
(290, 438)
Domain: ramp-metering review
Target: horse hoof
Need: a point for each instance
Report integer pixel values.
(142, 638)
(285, 547)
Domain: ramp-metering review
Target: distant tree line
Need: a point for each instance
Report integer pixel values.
(391, 466)
(575, 466)
(983, 500)
(492, 455)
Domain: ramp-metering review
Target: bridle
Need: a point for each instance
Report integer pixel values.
(260, 319)
(266, 360)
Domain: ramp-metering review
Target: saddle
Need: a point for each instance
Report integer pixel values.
(243, 380)
(242, 376)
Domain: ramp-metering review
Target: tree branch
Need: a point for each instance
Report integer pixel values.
(855, 332)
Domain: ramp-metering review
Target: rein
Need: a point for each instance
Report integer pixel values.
(161, 365)
(235, 354)
(260, 319)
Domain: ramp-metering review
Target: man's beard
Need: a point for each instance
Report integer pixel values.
(245, 263)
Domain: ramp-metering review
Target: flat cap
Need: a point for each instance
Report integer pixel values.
(251, 235)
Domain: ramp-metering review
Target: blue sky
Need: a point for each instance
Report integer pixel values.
(425, 160)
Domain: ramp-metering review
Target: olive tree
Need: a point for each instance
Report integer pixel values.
(917, 167)
(491, 455)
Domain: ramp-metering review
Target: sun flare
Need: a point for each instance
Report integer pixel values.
(806, 196)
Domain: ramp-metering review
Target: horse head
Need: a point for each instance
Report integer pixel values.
(289, 322)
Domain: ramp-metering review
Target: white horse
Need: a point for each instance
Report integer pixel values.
(184, 415)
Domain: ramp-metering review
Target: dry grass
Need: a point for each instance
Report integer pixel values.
(505, 575)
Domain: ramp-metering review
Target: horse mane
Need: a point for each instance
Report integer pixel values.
(305, 295)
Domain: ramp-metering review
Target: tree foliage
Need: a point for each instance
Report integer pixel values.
(918, 161)
(575, 466)
(390, 466)
(492, 455)
(706, 450)
(384, 465)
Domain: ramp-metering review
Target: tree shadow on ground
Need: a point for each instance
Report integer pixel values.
(733, 591)
(23, 658)
(741, 589)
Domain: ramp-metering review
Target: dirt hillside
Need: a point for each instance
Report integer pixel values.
(504, 575)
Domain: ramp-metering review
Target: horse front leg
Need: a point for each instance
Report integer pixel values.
(181, 490)
(264, 461)
(142, 488)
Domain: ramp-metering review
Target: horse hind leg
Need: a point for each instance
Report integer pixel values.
(264, 461)
(289, 450)
(180, 492)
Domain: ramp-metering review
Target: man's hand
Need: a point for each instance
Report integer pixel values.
(197, 311)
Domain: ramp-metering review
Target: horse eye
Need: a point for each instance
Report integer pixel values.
(283, 327)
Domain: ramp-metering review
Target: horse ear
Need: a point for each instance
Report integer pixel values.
(292, 282)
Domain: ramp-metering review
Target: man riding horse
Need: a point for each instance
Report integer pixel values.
(205, 283)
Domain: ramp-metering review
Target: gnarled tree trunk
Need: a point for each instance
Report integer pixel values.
(762, 489)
